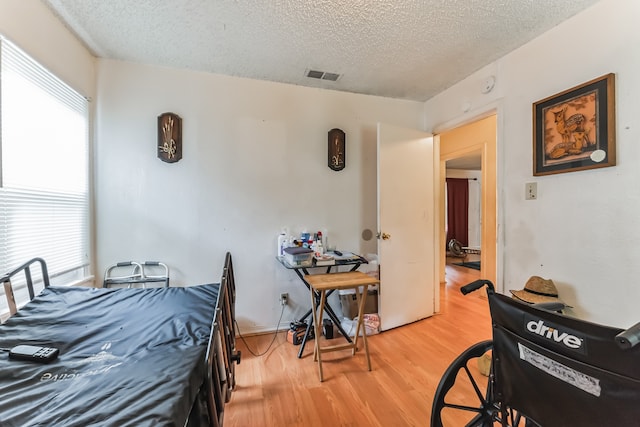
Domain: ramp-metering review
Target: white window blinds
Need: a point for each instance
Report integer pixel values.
(44, 180)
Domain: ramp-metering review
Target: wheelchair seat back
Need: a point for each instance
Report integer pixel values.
(561, 371)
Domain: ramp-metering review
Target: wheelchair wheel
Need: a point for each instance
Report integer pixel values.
(464, 396)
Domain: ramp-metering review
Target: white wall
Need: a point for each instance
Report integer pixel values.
(254, 160)
(583, 231)
(33, 28)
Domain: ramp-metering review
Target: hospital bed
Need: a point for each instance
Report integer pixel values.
(128, 357)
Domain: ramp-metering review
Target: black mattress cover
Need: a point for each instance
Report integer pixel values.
(128, 357)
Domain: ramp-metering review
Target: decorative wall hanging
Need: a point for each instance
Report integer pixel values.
(575, 129)
(336, 150)
(169, 137)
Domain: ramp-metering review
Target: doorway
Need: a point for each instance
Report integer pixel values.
(463, 219)
(472, 148)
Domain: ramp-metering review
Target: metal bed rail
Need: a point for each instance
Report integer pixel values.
(26, 269)
(222, 353)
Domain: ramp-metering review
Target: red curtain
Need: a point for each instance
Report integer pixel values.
(458, 210)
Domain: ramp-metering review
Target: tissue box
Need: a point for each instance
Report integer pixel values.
(298, 257)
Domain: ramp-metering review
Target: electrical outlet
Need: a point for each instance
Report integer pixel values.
(531, 191)
(284, 298)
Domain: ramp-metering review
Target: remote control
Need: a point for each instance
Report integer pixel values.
(33, 353)
(337, 253)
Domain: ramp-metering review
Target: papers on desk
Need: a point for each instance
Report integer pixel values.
(330, 258)
(321, 260)
(346, 256)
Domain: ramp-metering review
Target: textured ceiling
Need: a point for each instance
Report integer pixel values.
(411, 49)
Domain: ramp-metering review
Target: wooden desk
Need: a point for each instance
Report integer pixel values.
(323, 283)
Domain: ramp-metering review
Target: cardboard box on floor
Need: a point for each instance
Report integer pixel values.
(350, 305)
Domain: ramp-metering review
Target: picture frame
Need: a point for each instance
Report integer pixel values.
(336, 149)
(575, 129)
(169, 147)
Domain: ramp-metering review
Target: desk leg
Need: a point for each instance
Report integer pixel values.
(306, 334)
(317, 316)
(304, 317)
(361, 299)
(307, 314)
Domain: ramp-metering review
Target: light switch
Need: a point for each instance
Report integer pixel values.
(531, 191)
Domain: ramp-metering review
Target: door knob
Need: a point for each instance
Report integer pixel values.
(384, 236)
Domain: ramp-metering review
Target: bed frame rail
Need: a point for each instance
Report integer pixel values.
(222, 353)
(26, 269)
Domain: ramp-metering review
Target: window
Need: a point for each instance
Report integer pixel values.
(44, 171)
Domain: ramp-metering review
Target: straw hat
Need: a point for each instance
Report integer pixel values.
(484, 364)
(537, 290)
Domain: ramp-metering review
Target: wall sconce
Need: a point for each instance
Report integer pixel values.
(169, 137)
(336, 150)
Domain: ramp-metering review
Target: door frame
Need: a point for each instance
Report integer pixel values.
(487, 148)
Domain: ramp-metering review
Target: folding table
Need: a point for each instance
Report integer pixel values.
(353, 262)
(323, 284)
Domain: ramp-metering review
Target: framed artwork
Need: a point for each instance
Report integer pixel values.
(336, 147)
(169, 137)
(575, 129)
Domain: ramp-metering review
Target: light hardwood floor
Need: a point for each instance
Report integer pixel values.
(278, 389)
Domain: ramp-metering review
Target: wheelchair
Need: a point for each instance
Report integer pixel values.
(545, 370)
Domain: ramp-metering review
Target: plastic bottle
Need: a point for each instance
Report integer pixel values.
(325, 240)
(282, 241)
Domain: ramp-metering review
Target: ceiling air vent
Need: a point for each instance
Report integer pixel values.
(322, 75)
(331, 76)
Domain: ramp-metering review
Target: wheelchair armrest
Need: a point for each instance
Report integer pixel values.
(629, 338)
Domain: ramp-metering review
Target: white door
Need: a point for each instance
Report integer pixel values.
(407, 225)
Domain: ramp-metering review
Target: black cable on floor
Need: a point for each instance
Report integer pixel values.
(270, 344)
